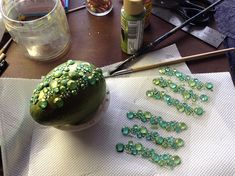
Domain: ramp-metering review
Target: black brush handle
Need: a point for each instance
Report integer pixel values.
(3, 66)
(151, 45)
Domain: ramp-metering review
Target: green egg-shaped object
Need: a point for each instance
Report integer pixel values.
(68, 95)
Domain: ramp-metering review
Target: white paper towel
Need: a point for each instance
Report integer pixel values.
(31, 149)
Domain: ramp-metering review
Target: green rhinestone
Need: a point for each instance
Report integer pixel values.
(62, 89)
(155, 158)
(145, 154)
(92, 80)
(53, 84)
(200, 85)
(130, 115)
(166, 156)
(176, 160)
(199, 111)
(209, 86)
(58, 102)
(192, 83)
(165, 143)
(40, 87)
(156, 81)
(147, 115)
(161, 162)
(134, 151)
(45, 83)
(130, 144)
(178, 74)
(159, 140)
(179, 142)
(157, 95)
(57, 73)
(204, 98)
(162, 71)
(182, 126)
(120, 147)
(138, 146)
(149, 93)
(143, 131)
(70, 62)
(125, 131)
(194, 97)
(173, 86)
(180, 107)
(64, 82)
(71, 84)
(167, 97)
(186, 95)
(66, 69)
(56, 90)
(43, 104)
(73, 74)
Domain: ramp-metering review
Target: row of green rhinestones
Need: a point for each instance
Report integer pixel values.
(181, 107)
(187, 94)
(157, 122)
(65, 81)
(192, 82)
(165, 160)
(143, 132)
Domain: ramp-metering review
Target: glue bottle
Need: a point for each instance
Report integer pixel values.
(132, 25)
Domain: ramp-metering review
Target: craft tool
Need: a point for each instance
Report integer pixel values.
(172, 61)
(3, 62)
(204, 33)
(76, 9)
(151, 45)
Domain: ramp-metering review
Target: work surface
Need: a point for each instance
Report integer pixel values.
(97, 40)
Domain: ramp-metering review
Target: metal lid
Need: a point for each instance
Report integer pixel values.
(133, 7)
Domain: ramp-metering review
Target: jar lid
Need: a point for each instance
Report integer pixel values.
(133, 7)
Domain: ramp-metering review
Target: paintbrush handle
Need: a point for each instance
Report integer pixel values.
(5, 46)
(151, 45)
(184, 59)
(174, 61)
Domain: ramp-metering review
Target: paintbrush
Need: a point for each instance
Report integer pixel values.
(151, 45)
(172, 61)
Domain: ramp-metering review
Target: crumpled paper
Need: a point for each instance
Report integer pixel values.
(31, 149)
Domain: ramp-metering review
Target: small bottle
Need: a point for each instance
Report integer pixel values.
(132, 25)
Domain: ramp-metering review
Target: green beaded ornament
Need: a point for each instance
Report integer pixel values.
(192, 82)
(143, 132)
(180, 106)
(137, 149)
(157, 122)
(186, 94)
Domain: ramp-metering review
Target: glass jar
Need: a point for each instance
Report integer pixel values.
(40, 27)
(99, 7)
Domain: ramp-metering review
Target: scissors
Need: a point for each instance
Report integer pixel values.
(187, 9)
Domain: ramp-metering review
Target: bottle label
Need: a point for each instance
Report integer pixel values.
(132, 35)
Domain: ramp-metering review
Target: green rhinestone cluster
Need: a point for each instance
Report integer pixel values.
(165, 160)
(157, 122)
(65, 81)
(143, 132)
(181, 107)
(187, 94)
(192, 82)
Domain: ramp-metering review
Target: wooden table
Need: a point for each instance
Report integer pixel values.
(97, 40)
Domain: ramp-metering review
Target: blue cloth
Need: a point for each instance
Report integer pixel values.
(225, 20)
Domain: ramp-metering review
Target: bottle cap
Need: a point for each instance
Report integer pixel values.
(133, 7)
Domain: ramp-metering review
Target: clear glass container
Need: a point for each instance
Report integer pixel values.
(40, 27)
(99, 7)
